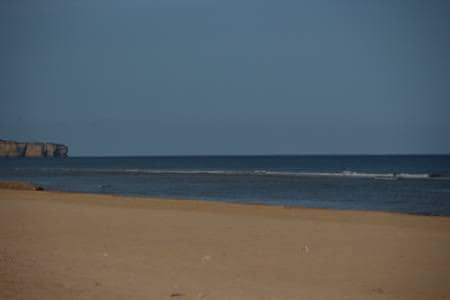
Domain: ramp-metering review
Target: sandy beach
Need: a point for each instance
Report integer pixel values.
(57, 245)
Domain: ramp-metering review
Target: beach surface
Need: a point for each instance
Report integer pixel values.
(56, 245)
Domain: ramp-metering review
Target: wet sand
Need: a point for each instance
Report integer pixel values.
(80, 246)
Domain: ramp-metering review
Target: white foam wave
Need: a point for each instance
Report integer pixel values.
(346, 173)
(282, 173)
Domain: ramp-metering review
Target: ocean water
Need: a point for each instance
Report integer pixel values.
(409, 184)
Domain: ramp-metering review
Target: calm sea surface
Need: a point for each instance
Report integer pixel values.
(411, 184)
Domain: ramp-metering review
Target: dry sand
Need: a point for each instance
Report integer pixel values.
(80, 246)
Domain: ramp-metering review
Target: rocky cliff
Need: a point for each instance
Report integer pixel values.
(16, 149)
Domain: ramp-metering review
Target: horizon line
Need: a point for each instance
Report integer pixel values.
(247, 155)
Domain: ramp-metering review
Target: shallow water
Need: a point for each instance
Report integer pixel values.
(410, 184)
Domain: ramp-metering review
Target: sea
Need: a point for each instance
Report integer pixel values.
(415, 184)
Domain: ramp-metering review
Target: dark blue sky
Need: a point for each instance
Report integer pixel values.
(227, 77)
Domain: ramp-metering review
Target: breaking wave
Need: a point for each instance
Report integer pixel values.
(143, 172)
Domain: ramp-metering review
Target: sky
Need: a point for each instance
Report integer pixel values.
(194, 77)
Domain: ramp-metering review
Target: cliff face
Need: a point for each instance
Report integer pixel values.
(15, 149)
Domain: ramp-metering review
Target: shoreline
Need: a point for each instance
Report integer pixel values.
(29, 186)
(58, 245)
(221, 202)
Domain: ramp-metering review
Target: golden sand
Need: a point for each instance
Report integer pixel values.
(80, 246)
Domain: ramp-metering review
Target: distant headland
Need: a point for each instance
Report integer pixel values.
(18, 149)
